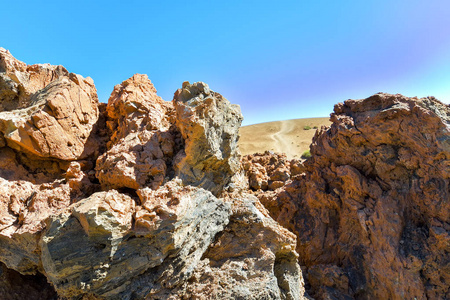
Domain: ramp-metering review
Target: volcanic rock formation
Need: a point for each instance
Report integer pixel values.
(371, 207)
(136, 199)
(147, 199)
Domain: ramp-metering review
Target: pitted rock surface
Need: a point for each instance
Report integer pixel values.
(47, 111)
(147, 199)
(142, 139)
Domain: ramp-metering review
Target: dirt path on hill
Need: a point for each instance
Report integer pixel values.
(287, 136)
(282, 144)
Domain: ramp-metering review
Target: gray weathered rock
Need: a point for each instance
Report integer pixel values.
(210, 126)
(96, 251)
(253, 258)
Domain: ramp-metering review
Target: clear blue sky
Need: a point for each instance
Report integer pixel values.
(277, 59)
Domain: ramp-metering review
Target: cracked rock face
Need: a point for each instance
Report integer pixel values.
(109, 251)
(146, 199)
(371, 207)
(121, 201)
(269, 270)
(47, 111)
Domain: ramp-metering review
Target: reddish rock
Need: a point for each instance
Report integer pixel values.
(371, 210)
(19, 81)
(267, 170)
(120, 201)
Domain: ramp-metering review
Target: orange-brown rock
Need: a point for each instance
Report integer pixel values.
(19, 81)
(371, 210)
(146, 199)
(142, 137)
(269, 170)
(46, 111)
(23, 209)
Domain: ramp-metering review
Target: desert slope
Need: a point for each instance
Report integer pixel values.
(288, 136)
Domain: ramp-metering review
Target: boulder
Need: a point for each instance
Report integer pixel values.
(121, 201)
(233, 268)
(19, 81)
(173, 228)
(46, 111)
(209, 125)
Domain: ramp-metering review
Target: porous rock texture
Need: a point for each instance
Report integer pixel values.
(371, 207)
(136, 199)
(142, 138)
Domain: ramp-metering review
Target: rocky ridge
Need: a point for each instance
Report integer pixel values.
(137, 199)
(147, 199)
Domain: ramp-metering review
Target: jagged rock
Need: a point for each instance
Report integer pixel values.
(51, 113)
(23, 209)
(372, 211)
(269, 269)
(142, 138)
(268, 170)
(18, 81)
(210, 127)
(370, 207)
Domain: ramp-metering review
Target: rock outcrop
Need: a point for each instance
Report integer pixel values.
(137, 199)
(371, 206)
(269, 270)
(110, 255)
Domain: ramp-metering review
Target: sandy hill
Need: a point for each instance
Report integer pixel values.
(292, 137)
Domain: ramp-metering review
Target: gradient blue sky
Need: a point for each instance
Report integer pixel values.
(277, 59)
